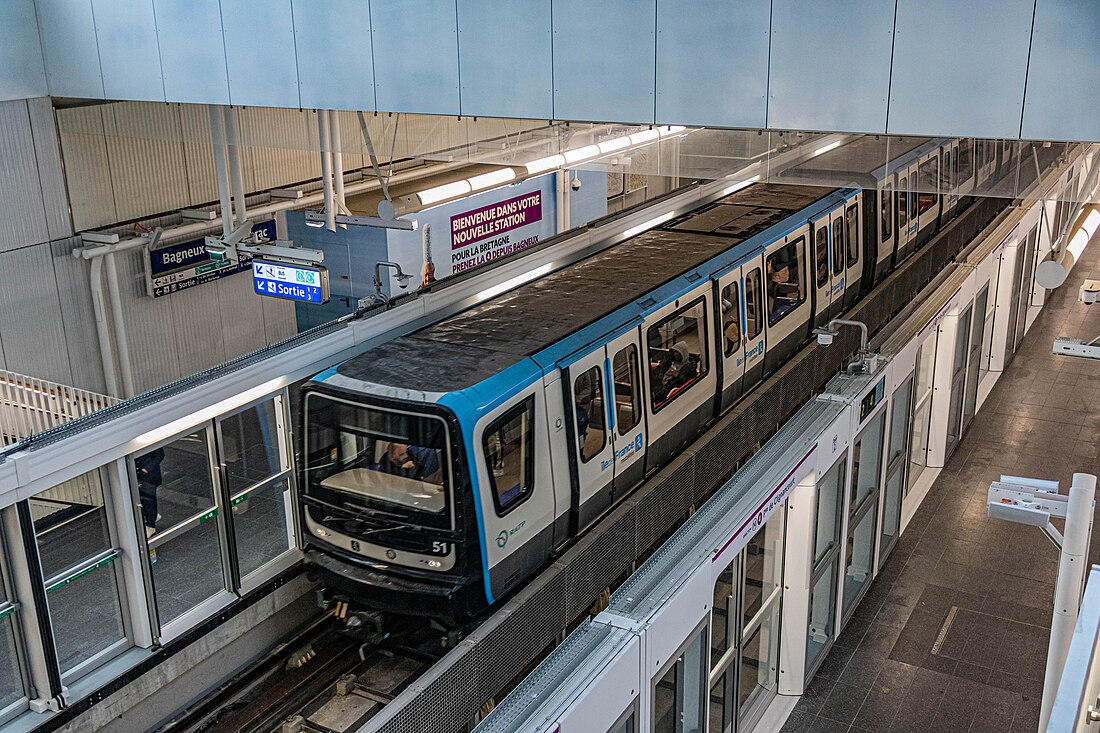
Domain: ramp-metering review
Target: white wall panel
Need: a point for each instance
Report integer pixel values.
(259, 51)
(33, 335)
(712, 62)
(22, 73)
(280, 321)
(147, 164)
(830, 64)
(151, 325)
(1064, 73)
(126, 31)
(328, 29)
(241, 314)
(955, 71)
(84, 150)
(506, 58)
(604, 60)
(69, 46)
(200, 342)
(192, 51)
(21, 213)
(47, 151)
(77, 315)
(280, 147)
(415, 55)
(198, 153)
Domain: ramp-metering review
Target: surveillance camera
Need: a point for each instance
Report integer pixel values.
(575, 184)
(403, 281)
(1090, 292)
(824, 336)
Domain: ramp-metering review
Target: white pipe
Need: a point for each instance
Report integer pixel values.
(187, 231)
(1072, 563)
(326, 169)
(217, 135)
(122, 343)
(110, 378)
(337, 158)
(236, 170)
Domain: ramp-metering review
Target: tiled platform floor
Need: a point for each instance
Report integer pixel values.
(994, 580)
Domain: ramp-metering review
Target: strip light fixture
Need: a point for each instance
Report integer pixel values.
(485, 181)
(513, 282)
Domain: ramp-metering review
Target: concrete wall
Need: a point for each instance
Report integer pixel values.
(992, 68)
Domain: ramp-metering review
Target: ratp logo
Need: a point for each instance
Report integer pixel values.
(502, 538)
(638, 443)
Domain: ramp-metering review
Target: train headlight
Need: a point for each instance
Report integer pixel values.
(434, 564)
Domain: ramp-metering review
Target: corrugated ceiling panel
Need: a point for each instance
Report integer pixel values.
(69, 47)
(21, 213)
(699, 82)
(47, 150)
(282, 146)
(326, 29)
(22, 73)
(78, 317)
(126, 31)
(146, 157)
(84, 150)
(34, 339)
(198, 152)
(151, 325)
(1064, 72)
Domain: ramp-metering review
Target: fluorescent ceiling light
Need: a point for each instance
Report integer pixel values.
(738, 186)
(446, 191)
(188, 422)
(826, 148)
(513, 282)
(615, 143)
(1081, 238)
(588, 151)
(492, 178)
(649, 224)
(545, 164)
(646, 136)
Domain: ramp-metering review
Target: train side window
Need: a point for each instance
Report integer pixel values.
(852, 216)
(753, 321)
(624, 369)
(590, 410)
(948, 174)
(785, 290)
(821, 253)
(963, 160)
(509, 444)
(731, 319)
(929, 185)
(887, 218)
(677, 353)
(903, 204)
(838, 246)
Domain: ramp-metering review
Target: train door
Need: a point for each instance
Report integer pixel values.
(949, 159)
(823, 258)
(732, 341)
(838, 235)
(853, 252)
(902, 206)
(593, 450)
(880, 256)
(753, 313)
(928, 190)
(964, 167)
(623, 366)
(788, 302)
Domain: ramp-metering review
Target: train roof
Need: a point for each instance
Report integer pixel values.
(469, 347)
(861, 157)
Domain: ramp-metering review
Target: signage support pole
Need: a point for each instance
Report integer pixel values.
(217, 133)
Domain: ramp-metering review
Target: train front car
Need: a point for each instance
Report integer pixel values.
(382, 493)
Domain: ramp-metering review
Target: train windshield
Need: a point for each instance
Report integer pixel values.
(366, 464)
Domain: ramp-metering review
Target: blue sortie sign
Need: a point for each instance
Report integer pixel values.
(290, 282)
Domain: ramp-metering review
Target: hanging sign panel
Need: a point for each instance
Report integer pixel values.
(300, 283)
(184, 265)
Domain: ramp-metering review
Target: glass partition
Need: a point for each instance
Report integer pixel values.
(897, 450)
(974, 362)
(678, 693)
(862, 510)
(13, 693)
(922, 408)
(958, 382)
(822, 631)
(78, 557)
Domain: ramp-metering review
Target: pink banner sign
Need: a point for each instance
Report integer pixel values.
(489, 221)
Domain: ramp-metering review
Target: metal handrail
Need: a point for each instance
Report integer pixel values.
(29, 405)
(1076, 706)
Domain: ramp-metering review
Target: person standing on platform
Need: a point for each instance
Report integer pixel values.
(149, 478)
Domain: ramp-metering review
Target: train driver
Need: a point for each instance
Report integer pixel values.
(411, 461)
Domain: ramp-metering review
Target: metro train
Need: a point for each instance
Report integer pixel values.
(443, 468)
